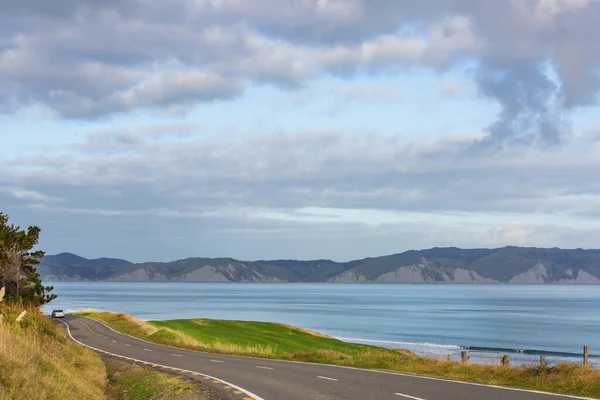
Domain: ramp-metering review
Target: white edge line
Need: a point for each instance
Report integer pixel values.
(329, 379)
(408, 397)
(254, 396)
(567, 396)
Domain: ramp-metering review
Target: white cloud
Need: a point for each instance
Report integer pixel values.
(173, 87)
(27, 195)
(512, 232)
(546, 11)
(385, 50)
(327, 169)
(93, 59)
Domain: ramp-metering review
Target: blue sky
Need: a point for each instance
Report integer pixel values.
(316, 129)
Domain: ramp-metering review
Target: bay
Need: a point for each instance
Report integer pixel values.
(434, 320)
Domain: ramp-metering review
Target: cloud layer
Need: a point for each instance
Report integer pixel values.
(300, 186)
(536, 58)
(526, 178)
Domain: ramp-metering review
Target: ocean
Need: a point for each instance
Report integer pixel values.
(522, 321)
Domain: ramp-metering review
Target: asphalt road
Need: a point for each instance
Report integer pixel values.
(259, 379)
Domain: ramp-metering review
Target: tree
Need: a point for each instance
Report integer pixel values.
(17, 264)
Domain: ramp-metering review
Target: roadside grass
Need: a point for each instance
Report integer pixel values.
(277, 341)
(131, 382)
(38, 362)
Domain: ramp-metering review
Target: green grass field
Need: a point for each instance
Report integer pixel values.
(255, 339)
(282, 339)
(276, 341)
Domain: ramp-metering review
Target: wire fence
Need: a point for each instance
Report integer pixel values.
(495, 357)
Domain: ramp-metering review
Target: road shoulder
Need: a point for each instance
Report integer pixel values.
(128, 381)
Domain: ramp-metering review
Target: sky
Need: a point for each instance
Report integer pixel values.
(302, 129)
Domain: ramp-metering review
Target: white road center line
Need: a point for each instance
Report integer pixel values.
(177, 355)
(329, 379)
(218, 361)
(261, 367)
(114, 341)
(408, 397)
(147, 350)
(128, 345)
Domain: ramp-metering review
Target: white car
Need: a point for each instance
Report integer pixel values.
(58, 314)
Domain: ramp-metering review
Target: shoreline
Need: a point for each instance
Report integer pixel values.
(480, 355)
(477, 354)
(273, 341)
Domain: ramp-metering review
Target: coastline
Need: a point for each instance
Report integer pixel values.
(286, 343)
(465, 317)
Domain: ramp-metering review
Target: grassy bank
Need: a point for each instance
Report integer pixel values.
(276, 341)
(38, 362)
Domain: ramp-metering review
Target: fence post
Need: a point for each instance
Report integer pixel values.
(463, 357)
(506, 360)
(542, 360)
(449, 357)
(585, 355)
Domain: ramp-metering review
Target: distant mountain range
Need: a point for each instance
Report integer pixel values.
(437, 265)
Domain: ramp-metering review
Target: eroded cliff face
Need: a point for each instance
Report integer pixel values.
(205, 273)
(227, 273)
(583, 278)
(417, 273)
(138, 275)
(540, 274)
(348, 277)
(261, 278)
(537, 274)
(425, 274)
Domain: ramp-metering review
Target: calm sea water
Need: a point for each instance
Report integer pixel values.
(437, 320)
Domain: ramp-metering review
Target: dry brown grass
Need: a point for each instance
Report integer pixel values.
(249, 351)
(116, 317)
(317, 334)
(38, 362)
(175, 338)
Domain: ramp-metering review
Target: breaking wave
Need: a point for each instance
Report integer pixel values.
(433, 345)
(438, 347)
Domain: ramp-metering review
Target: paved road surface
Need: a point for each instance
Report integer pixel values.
(252, 378)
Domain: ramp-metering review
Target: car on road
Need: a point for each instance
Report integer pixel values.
(58, 314)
